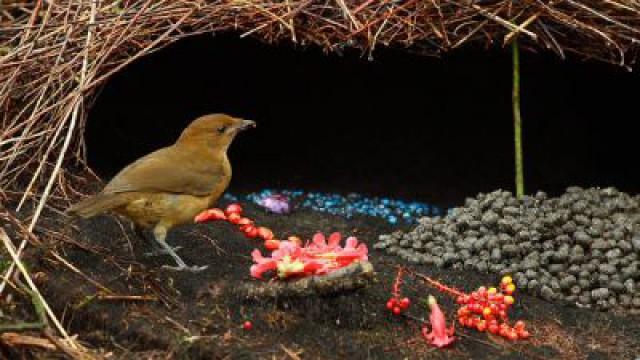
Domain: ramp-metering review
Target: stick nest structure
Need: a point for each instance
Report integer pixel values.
(55, 55)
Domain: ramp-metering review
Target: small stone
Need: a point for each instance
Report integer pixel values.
(567, 281)
(630, 286)
(613, 254)
(510, 250)
(547, 293)
(482, 266)
(616, 286)
(496, 254)
(607, 269)
(635, 242)
(556, 268)
(600, 293)
(599, 244)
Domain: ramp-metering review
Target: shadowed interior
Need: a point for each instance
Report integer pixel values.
(402, 125)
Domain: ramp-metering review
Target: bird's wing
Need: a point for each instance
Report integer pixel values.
(169, 170)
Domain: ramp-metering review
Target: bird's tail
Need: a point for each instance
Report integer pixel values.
(96, 205)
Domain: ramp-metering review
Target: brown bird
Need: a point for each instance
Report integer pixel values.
(172, 185)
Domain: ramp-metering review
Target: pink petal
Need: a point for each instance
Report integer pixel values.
(319, 240)
(351, 242)
(257, 257)
(258, 269)
(334, 239)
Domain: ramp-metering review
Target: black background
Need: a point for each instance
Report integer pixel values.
(402, 125)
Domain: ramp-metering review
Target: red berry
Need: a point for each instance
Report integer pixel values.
(265, 233)
(486, 312)
(404, 303)
(512, 335)
(233, 209)
(272, 244)
(251, 231)
(523, 334)
(234, 218)
(509, 300)
(245, 221)
(211, 214)
(462, 320)
(391, 303)
(519, 325)
(493, 328)
(247, 325)
(396, 310)
(509, 289)
(481, 325)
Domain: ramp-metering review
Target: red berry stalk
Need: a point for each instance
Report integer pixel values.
(396, 304)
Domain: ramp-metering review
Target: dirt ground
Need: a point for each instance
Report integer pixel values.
(200, 316)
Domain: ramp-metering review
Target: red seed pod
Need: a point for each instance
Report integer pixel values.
(519, 325)
(247, 325)
(460, 300)
(245, 221)
(462, 320)
(396, 310)
(233, 209)
(211, 214)
(250, 231)
(512, 335)
(234, 218)
(499, 297)
(265, 233)
(493, 328)
(272, 244)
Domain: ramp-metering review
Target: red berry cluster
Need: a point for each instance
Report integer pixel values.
(397, 304)
(486, 310)
(233, 214)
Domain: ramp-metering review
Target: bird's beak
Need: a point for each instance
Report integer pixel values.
(246, 124)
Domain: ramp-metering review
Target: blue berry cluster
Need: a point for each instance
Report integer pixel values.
(393, 211)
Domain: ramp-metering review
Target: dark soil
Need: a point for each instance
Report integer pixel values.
(199, 316)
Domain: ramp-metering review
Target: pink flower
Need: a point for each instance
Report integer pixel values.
(439, 336)
(316, 258)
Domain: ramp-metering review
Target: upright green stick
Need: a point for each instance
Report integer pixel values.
(517, 119)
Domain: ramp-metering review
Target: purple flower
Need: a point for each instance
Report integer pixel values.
(278, 204)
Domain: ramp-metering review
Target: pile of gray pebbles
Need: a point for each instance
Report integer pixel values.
(582, 247)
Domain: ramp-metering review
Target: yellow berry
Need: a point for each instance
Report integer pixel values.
(492, 290)
(507, 280)
(509, 300)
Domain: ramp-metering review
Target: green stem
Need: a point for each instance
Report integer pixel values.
(517, 120)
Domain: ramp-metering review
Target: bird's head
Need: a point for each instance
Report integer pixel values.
(214, 130)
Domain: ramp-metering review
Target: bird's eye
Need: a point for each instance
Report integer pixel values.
(222, 129)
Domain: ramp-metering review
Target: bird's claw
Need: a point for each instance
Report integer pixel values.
(193, 268)
(160, 252)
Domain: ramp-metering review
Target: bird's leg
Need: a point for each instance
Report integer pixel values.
(160, 233)
(157, 249)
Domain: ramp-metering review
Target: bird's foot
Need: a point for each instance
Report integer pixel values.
(193, 268)
(160, 252)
